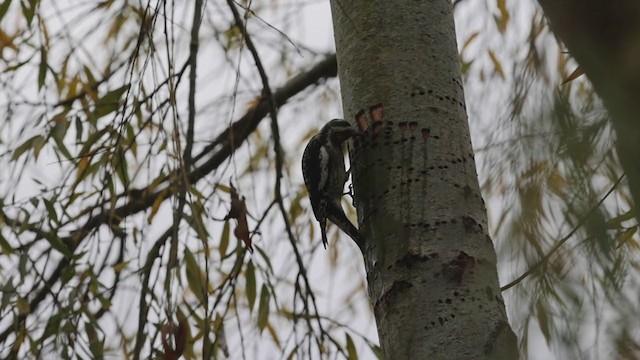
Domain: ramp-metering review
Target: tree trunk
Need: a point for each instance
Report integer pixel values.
(604, 37)
(431, 266)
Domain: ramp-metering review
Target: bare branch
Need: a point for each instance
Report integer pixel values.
(221, 148)
(561, 242)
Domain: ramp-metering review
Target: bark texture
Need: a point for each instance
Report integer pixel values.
(431, 266)
(604, 37)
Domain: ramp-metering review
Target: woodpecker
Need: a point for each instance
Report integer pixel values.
(324, 176)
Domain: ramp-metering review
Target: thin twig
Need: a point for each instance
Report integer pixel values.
(193, 61)
(273, 111)
(561, 242)
(219, 150)
(143, 307)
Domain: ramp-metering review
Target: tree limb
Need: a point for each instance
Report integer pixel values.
(219, 150)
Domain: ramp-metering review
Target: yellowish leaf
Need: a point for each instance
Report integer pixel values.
(155, 207)
(82, 167)
(574, 75)
(496, 64)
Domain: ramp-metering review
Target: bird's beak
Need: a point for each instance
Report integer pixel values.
(348, 133)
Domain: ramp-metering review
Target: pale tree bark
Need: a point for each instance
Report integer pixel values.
(431, 266)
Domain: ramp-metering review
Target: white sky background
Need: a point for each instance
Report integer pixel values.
(311, 28)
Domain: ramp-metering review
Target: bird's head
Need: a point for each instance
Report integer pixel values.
(339, 131)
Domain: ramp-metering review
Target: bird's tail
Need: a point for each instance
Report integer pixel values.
(323, 231)
(336, 215)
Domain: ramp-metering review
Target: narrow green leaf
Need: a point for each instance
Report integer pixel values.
(28, 10)
(61, 125)
(194, 276)
(16, 66)
(24, 147)
(58, 244)
(465, 66)
(292, 354)
(196, 222)
(53, 214)
(38, 144)
(543, 320)
(120, 266)
(224, 240)
(263, 310)
(131, 140)
(22, 305)
(109, 102)
(264, 257)
(95, 344)
(377, 351)
(53, 325)
(616, 222)
(121, 167)
(42, 68)
(78, 123)
(351, 349)
(5, 246)
(4, 7)
(91, 140)
(217, 323)
(220, 342)
(250, 276)
(22, 264)
(91, 80)
(8, 291)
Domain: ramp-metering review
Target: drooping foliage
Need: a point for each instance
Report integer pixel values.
(148, 147)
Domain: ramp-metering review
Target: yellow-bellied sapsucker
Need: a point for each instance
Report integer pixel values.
(325, 176)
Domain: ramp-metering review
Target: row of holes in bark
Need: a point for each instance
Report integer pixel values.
(455, 160)
(387, 126)
(375, 139)
(420, 91)
(467, 221)
(439, 97)
(408, 182)
(424, 172)
(374, 209)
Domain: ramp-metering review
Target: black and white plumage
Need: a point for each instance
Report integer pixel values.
(324, 175)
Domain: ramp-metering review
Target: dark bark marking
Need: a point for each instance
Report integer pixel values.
(469, 223)
(377, 127)
(413, 256)
(456, 268)
(425, 133)
(398, 287)
(362, 121)
(376, 112)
